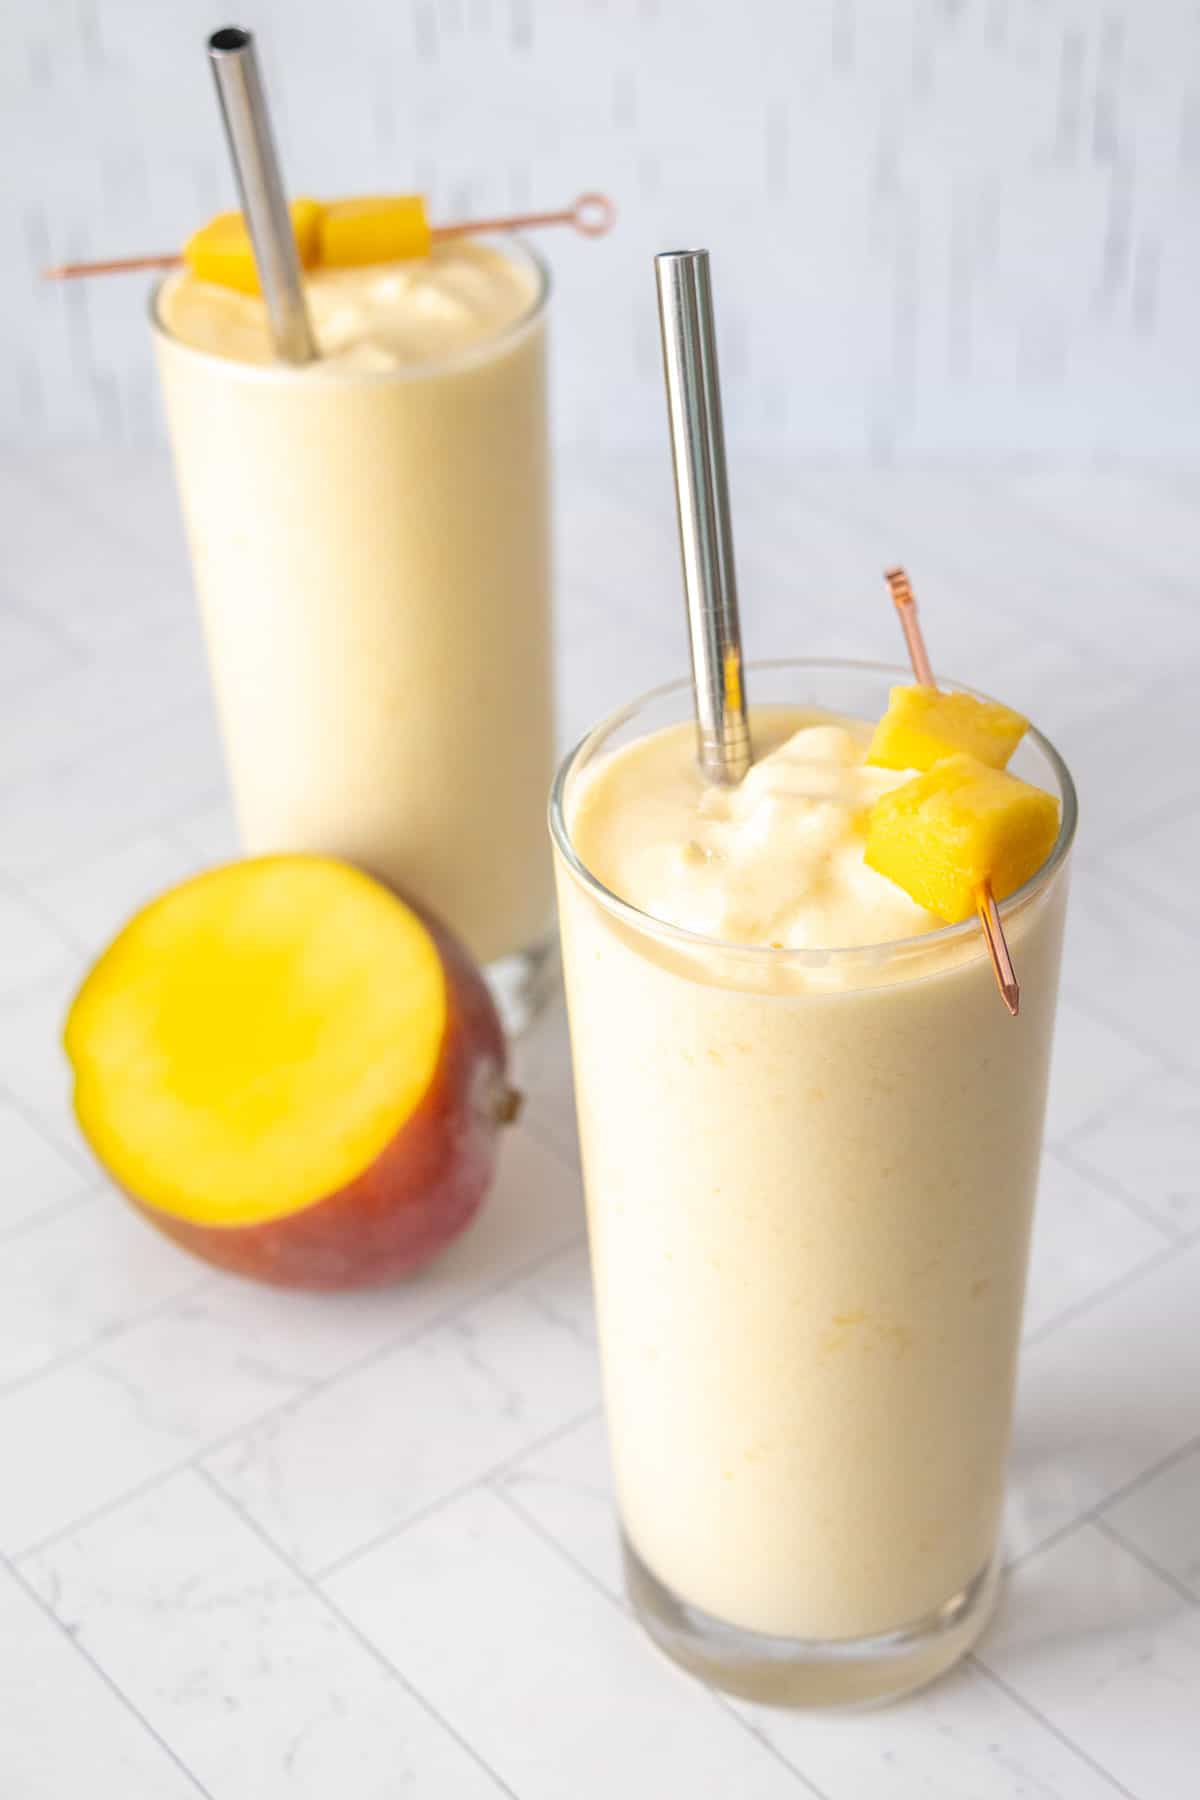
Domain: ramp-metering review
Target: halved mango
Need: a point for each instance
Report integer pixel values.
(378, 228)
(922, 725)
(221, 251)
(292, 1072)
(946, 832)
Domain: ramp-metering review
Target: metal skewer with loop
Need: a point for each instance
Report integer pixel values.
(989, 913)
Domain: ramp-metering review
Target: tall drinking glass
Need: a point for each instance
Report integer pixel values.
(810, 1177)
(371, 551)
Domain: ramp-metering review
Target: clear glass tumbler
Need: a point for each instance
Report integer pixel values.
(371, 552)
(810, 1176)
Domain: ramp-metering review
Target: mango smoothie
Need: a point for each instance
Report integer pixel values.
(810, 1137)
(370, 540)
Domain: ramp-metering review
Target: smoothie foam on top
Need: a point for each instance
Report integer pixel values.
(385, 316)
(777, 860)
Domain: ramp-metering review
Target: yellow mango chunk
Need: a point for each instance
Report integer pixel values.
(220, 251)
(946, 832)
(922, 725)
(377, 229)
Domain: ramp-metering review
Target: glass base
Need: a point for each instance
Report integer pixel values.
(784, 1671)
(522, 983)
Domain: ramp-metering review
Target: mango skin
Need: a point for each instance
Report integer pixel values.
(419, 1193)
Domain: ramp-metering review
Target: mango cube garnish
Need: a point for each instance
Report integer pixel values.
(961, 823)
(377, 229)
(922, 725)
(221, 252)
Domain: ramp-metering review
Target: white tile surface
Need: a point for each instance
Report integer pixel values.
(65, 1728)
(440, 1445)
(1161, 1519)
(1093, 1063)
(1148, 1143)
(242, 1670)
(422, 1422)
(79, 1277)
(586, 1708)
(35, 1176)
(1105, 1396)
(1109, 1655)
(1083, 1241)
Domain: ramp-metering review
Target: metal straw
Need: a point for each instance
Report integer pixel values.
(264, 205)
(689, 348)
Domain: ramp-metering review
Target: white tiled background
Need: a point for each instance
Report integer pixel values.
(937, 225)
(259, 1546)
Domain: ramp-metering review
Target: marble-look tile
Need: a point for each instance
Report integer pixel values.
(35, 1177)
(65, 1730)
(1103, 1397)
(30, 652)
(1161, 1518)
(1133, 969)
(1092, 1064)
(33, 1064)
(60, 720)
(331, 1475)
(962, 1739)
(565, 1488)
(165, 1390)
(79, 1277)
(246, 1673)
(30, 948)
(58, 817)
(1109, 1654)
(1083, 1240)
(209, 834)
(553, 1684)
(90, 1432)
(1163, 861)
(96, 897)
(1148, 1142)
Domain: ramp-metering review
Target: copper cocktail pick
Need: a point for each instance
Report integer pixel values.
(989, 913)
(590, 214)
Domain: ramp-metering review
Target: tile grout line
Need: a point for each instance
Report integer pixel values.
(1101, 1524)
(1032, 1712)
(193, 1458)
(324, 1600)
(1065, 1153)
(17, 1383)
(329, 1570)
(98, 1668)
(1130, 1278)
(1091, 1515)
(720, 1700)
(59, 1210)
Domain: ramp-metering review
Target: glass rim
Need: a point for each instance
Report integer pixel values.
(808, 956)
(281, 371)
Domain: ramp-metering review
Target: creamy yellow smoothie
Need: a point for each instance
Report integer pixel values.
(810, 1137)
(370, 541)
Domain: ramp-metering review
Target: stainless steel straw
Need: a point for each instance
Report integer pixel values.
(264, 205)
(689, 348)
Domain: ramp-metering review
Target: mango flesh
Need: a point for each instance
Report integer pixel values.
(380, 229)
(922, 725)
(292, 1072)
(220, 251)
(961, 823)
